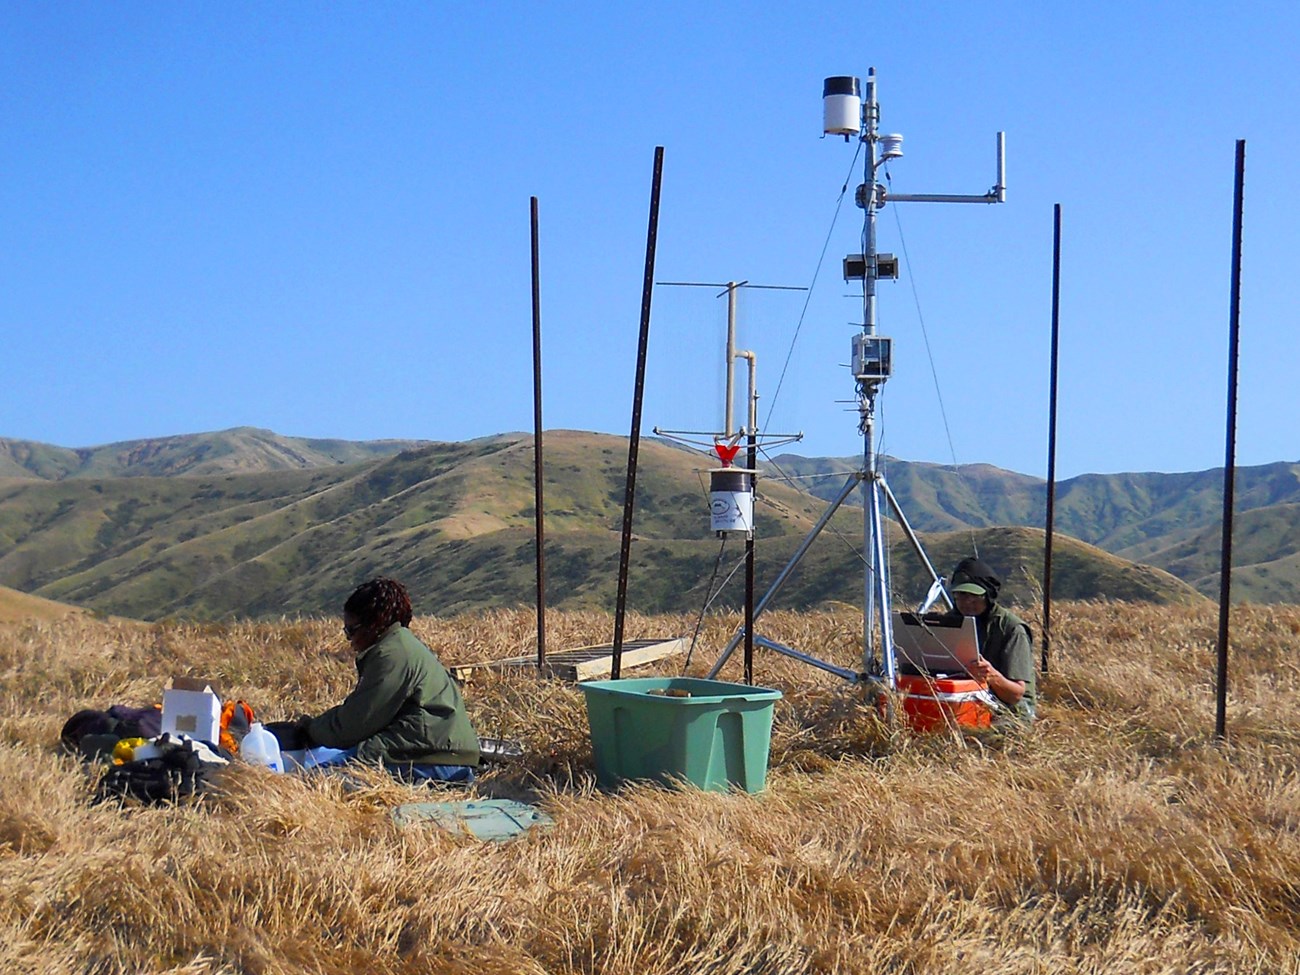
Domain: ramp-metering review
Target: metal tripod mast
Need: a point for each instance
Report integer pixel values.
(872, 362)
(876, 575)
(847, 113)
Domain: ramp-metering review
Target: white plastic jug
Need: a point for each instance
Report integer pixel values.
(260, 747)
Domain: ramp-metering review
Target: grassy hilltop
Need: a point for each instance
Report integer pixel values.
(1115, 836)
(19, 607)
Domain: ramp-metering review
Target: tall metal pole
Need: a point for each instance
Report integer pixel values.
(1230, 453)
(538, 507)
(871, 356)
(866, 406)
(875, 578)
(1051, 439)
(727, 409)
(751, 461)
(634, 439)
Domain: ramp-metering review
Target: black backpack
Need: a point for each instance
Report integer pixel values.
(175, 775)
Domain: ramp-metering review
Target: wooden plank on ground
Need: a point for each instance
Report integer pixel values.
(584, 663)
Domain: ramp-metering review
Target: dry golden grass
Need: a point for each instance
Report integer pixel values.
(1115, 836)
(18, 607)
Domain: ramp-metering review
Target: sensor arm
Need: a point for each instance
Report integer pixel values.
(998, 194)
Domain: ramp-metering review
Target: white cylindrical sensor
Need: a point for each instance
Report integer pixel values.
(891, 146)
(841, 106)
(731, 500)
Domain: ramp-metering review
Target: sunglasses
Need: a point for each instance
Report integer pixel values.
(351, 629)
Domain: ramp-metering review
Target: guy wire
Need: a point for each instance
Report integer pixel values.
(934, 372)
(839, 202)
(709, 596)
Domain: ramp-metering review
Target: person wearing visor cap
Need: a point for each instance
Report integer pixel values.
(1006, 661)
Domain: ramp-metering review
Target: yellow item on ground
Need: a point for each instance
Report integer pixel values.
(124, 750)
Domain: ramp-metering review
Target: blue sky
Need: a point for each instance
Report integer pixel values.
(313, 217)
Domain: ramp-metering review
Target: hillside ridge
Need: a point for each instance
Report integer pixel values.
(245, 522)
(456, 520)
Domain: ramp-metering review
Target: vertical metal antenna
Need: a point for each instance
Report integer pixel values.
(872, 196)
(874, 582)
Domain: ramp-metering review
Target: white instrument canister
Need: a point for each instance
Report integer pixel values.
(841, 106)
(731, 500)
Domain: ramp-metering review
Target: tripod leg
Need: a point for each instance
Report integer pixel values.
(780, 580)
(881, 581)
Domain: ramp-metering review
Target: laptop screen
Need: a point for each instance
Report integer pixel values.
(936, 644)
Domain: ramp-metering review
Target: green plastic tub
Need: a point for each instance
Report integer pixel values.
(717, 738)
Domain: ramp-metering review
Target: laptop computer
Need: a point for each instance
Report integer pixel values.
(936, 644)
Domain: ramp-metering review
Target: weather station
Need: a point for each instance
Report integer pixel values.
(850, 109)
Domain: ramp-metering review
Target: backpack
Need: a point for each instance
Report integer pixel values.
(180, 772)
(93, 733)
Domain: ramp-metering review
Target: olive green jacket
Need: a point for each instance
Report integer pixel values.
(405, 708)
(1008, 644)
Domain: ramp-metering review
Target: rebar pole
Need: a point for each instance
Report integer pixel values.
(751, 461)
(1051, 439)
(749, 568)
(634, 440)
(1230, 453)
(538, 507)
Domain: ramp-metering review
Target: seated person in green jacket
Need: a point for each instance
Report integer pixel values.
(1006, 661)
(406, 712)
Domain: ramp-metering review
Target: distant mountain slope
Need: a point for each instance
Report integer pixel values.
(457, 517)
(242, 450)
(456, 522)
(1168, 520)
(1079, 569)
(1265, 555)
(935, 498)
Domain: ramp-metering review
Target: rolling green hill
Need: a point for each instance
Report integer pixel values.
(455, 521)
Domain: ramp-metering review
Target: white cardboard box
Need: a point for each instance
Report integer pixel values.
(192, 708)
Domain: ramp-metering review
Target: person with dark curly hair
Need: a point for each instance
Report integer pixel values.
(406, 712)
